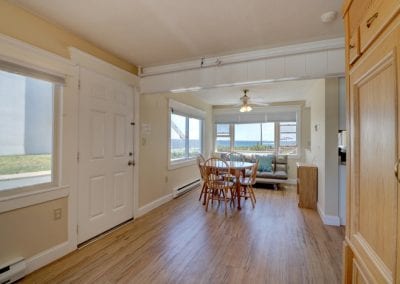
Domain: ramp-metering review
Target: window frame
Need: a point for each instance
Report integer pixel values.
(187, 112)
(57, 92)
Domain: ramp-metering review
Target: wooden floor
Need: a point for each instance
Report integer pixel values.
(181, 243)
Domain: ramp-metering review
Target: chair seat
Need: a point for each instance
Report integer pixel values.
(222, 183)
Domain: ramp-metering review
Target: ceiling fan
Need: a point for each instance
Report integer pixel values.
(246, 104)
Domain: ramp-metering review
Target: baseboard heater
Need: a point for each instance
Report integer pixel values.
(12, 271)
(185, 188)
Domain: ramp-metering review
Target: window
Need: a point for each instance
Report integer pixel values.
(266, 137)
(287, 138)
(223, 138)
(186, 133)
(27, 112)
(254, 137)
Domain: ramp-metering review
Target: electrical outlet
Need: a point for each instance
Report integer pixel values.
(57, 214)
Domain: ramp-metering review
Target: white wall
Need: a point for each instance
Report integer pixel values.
(324, 102)
(331, 147)
(316, 156)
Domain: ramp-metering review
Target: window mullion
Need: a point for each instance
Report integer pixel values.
(232, 136)
(277, 137)
(187, 138)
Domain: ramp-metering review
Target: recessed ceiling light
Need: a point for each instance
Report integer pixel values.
(329, 16)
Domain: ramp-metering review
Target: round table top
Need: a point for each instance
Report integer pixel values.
(233, 165)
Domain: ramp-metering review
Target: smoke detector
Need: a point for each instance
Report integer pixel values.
(328, 16)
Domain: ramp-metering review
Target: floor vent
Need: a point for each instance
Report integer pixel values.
(12, 271)
(181, 190)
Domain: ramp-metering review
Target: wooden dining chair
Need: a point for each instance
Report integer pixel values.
(200, 163)
(246, 185)
(219, 182)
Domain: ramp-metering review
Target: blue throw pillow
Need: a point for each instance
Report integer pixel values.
(264, 163)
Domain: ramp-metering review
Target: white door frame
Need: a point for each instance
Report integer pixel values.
(82, 59)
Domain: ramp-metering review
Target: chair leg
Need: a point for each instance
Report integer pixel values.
(226, 200)
(233, 196)
(208, 199)
(252, 192)
(202, 190)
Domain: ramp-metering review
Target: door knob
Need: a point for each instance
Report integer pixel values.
(131, 163)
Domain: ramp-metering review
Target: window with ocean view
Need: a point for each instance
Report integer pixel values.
(254, 137)
(287, 138)
(266, 137)
(223, 138)
(186, 134)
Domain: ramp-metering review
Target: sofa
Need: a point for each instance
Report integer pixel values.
(272, 169)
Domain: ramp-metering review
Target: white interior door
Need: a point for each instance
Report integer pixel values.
(105, 189)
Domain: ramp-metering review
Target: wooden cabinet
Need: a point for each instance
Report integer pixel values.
(372, 246)
(307, 185)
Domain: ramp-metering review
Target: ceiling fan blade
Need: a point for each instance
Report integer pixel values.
(261, 104)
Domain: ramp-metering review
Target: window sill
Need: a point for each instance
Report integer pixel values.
(181, 164)
(20, 200)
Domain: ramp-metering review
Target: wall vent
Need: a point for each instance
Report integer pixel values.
(12, 271)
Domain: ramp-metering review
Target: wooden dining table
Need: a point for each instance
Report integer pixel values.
(236, 168)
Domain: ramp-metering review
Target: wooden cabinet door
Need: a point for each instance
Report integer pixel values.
(374, 123)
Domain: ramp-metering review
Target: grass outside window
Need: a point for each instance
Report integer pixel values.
(17, 164)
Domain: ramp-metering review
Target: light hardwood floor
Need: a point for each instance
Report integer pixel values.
(181, 243)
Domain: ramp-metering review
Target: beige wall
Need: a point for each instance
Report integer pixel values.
(28, 231)
(20, 24)
(156, 180)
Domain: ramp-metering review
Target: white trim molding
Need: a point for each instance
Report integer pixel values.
(91, 62)
(45, 257)
(317, 46)
(312, 60)
(29, 198)
(154, 204)
(21, 53)
(330, 220)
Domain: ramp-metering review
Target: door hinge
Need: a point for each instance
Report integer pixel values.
(79, 84)
(77, 157)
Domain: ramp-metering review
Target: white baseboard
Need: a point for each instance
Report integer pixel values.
(45, 257)
(154, 204)
(330, 220)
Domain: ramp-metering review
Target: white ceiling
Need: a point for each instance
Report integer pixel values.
(276, 92)
(154, 32)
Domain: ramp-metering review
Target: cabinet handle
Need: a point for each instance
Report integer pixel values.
(396, 169)
(372, 19)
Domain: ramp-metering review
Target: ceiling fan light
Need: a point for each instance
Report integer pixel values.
(245, 108)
